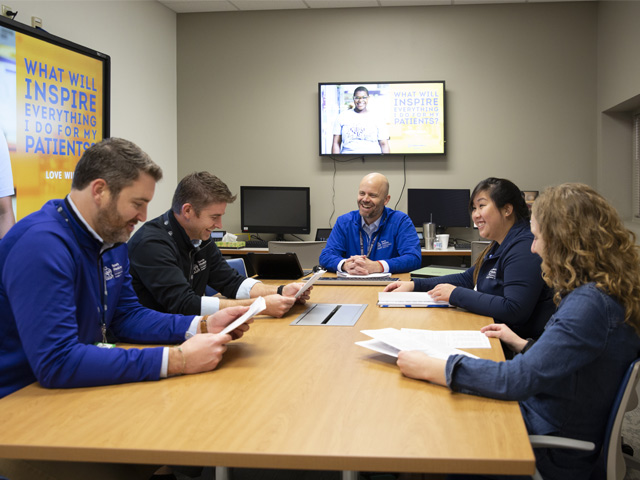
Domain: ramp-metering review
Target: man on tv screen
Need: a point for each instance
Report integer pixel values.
(358, 130)
(173, 258)
(374, 238)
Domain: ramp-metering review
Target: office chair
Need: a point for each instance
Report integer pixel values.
(238, 265)
(308, 252)
(322, 234)
(615, 463)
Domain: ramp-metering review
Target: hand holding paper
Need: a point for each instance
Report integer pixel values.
(310, 282)
(255, 308)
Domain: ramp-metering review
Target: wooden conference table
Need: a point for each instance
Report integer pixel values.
(299, 397)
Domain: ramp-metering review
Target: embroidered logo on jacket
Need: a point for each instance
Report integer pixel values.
(200, 266)
(384, 244)
(114, 272)
(492, 274)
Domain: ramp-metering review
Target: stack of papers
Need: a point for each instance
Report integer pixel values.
(437, 344)
(408, 299)
(371, 275)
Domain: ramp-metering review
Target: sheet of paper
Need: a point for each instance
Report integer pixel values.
(408, 299)
(452, 338)
(371, 275)
(405, 341)
(380, 347)
(310, 282)
(254, 309)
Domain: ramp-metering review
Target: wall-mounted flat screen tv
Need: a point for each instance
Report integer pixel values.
(366, 118)
(55, 104)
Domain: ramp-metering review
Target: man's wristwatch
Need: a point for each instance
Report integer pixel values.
(280, 288)
(203, 324)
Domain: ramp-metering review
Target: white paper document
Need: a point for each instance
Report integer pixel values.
(395, 340)
(371, 275)
(310, 282)
(452, 338)
(254, 309)
(409, 299)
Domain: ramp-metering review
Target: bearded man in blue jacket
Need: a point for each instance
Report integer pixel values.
(64, 283)
(374, 238)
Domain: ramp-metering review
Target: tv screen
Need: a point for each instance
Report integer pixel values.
(442, 206)
(55, 104)
(278, 210)
(404, 118)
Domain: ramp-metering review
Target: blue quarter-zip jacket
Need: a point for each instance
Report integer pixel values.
(510, 286)
(397, 242)
(54, 285)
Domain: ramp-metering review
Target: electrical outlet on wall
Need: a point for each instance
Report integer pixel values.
(6, 11)
(36, 22)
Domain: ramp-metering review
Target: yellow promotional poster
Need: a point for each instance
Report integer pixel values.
(58, 116)
(417, 120)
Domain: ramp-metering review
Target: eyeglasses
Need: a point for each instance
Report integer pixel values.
(360, 98)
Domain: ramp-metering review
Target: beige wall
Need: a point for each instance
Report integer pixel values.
(618, 97)
(521, 93)
(140, 38)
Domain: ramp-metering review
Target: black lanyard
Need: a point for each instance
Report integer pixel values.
(373, 241)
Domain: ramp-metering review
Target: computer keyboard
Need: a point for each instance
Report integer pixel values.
(462, 246)
(256, 244)
(378, 281)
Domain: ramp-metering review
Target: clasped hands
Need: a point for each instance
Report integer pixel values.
(361, 265)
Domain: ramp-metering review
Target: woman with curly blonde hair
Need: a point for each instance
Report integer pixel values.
(585, 242)
(565, 381)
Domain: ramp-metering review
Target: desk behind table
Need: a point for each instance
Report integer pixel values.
(449, 256)
(301, 397)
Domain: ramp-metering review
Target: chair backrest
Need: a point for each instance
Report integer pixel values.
(626, 400)
(477, 247)
(308, 252)
(238, 265)
(322, 234)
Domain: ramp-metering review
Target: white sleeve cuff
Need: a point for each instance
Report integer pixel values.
(385, 265)
(245, 288)
(165, 362)
(209, 305)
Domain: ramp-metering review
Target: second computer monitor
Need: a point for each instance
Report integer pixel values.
(276, 210)
(445, 207)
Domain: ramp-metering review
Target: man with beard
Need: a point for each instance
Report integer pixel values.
(64, 282)
(374, 238)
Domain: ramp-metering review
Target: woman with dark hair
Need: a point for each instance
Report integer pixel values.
(506, 282)
(566, 381)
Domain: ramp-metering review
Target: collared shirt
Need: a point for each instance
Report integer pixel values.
(369, 230)
(193, 328)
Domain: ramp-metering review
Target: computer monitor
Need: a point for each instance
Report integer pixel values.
(443, 206)
(278, 210)
(322, 234)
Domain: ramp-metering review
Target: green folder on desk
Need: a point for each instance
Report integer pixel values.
(435, 271)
